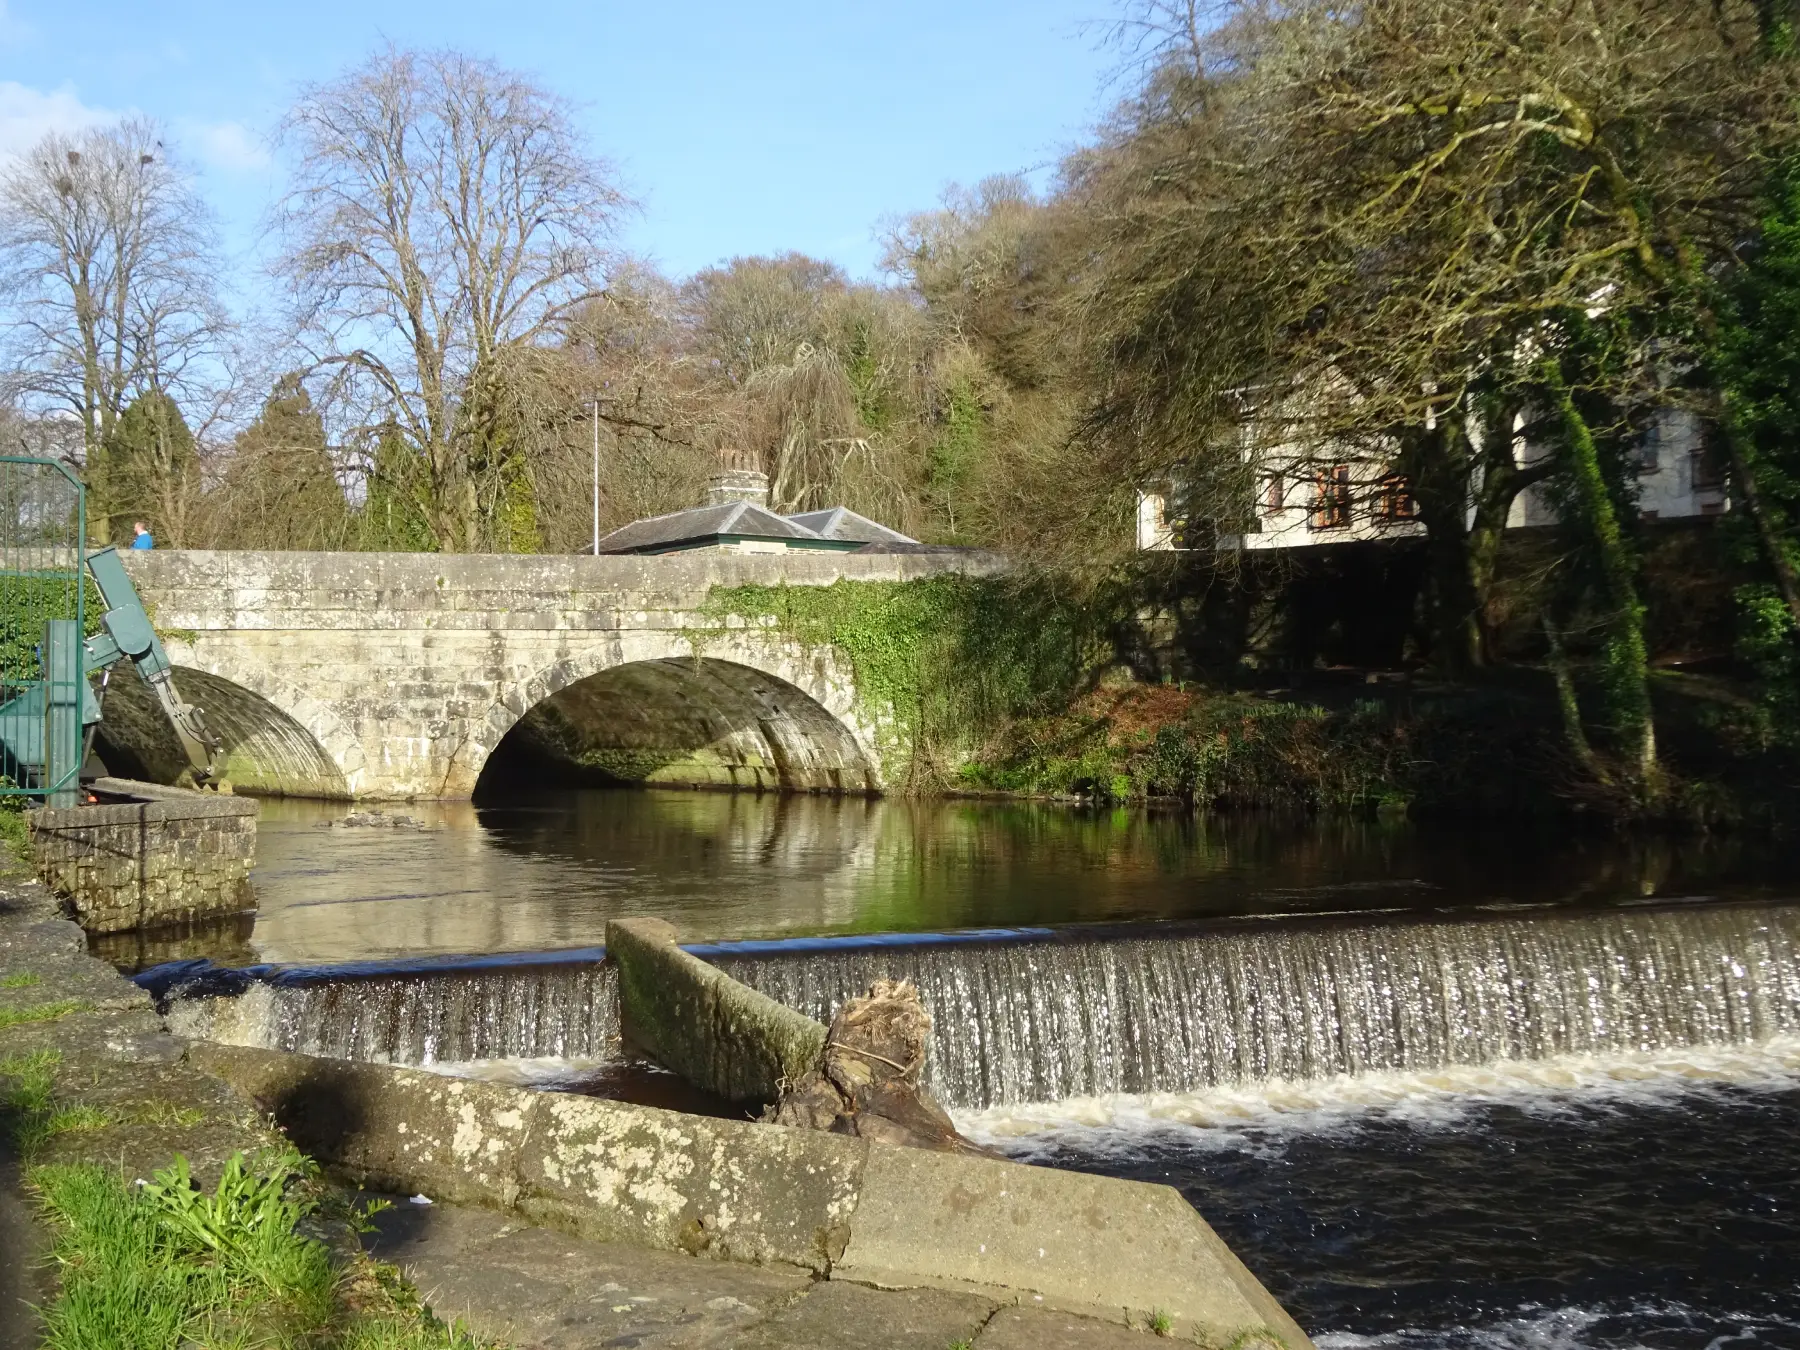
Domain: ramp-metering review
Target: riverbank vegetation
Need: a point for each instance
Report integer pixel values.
(1017, 685)
(1491, 251)
(164, 1262)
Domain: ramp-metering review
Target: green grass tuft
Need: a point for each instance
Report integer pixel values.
(160, 1113)
(23, 979)
(26, 1080)
(43, 1126)
(15, 836)
(166, 1264)
(1161, 1323)
(43, 1012)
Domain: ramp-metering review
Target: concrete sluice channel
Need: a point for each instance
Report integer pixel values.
(1042, 1016)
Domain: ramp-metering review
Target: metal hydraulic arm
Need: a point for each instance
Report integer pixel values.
(126, 634)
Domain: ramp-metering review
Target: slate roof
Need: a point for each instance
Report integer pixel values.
(701, 526)
(840, 522)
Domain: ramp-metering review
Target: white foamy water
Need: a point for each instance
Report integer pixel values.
(1221, 1117)
(547, 1073)
(1572, 1328)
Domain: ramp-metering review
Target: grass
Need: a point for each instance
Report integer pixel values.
(43, 1012)
(28, 1110)
(15, 837)
(166, 1265)
(23, 979)
(1161, 1323)
(1257, 1338)
(25, 1082)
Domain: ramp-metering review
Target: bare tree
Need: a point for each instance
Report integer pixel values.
(757, 312)
(444, 213)
(107, 267)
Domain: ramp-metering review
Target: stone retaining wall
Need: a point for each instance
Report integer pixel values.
(147, 855)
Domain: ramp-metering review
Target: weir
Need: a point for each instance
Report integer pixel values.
(1043, 1016)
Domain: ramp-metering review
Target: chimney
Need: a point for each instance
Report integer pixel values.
(738, 485)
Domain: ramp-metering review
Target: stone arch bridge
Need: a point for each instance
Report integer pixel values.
(410, 675)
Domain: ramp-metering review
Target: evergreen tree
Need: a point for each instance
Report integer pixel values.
(393, 518)
(1758, 364)
(148, 469)
(281, 488)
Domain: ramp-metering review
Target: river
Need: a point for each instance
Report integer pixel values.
(1482, 1089)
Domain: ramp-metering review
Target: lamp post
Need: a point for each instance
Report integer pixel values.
(596, 478)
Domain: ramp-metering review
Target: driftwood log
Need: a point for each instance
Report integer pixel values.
(866, 1082)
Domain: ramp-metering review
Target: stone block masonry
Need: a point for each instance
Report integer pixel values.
(147, 855)
(381, 675)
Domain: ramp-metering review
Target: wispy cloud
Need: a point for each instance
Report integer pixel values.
(230, 147)
(27, 114)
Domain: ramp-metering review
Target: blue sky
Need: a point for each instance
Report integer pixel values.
(741, 128)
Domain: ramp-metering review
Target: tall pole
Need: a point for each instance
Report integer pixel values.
(596, 478)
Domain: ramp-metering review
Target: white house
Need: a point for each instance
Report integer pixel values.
(1301, 501)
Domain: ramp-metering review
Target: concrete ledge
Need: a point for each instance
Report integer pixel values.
(693, 1018)
(846, 1208)
(1086, 1243)
(150, 855)
(604, 1169)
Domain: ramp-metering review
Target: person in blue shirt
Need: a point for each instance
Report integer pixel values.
(142, 537)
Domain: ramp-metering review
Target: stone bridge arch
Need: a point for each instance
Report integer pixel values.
(274, 740)
(739, 709)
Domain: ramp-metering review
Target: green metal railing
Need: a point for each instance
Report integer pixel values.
(43, 620)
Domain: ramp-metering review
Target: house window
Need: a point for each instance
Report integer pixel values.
(1394, 500)
(1331, 499)
(1703, 465)
(1275, 493)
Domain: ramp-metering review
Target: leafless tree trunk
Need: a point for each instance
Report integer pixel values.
(444, 211)
(107, 260)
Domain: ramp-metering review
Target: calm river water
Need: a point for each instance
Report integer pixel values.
(1625, 1173)
(544, 874)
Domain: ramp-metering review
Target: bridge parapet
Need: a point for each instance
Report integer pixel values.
(407, 670)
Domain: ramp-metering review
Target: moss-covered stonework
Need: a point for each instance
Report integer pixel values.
(939, 663)
(693, 1018)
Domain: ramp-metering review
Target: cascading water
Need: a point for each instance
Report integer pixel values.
(1048, 1019)
(510, 1012)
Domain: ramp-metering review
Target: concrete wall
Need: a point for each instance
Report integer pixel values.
(147, 855)
(844, 1208)
(405, 671)
(691, 1017)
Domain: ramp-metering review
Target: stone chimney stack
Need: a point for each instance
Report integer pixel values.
(738, 485)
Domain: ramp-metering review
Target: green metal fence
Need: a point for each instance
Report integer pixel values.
(43, 619)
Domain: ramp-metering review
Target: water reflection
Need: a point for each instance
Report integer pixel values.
(547, 873)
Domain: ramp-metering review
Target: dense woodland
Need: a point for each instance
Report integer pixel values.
(1416, 229)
